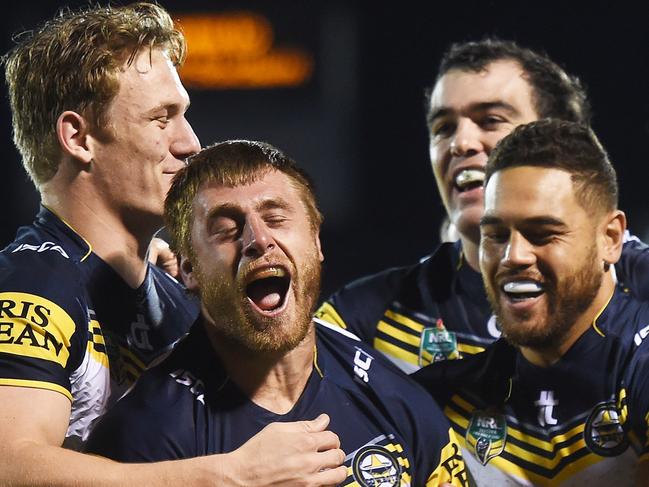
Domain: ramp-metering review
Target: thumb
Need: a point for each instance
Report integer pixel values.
(317, 424)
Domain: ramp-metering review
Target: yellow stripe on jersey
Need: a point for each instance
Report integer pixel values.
(101, 357)
(36, 384)
(328, 313)
(451, 468)
(467, 349)
(402, 336)
(462, 418)
(517, 471)
(35, 327)
(126, 353)
(415, 326)
(394, 351)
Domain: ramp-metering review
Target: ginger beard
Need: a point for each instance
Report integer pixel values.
(228, 303)
(566, 300)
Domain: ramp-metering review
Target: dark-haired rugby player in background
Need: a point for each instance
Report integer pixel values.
(437, 309)
(568, 404)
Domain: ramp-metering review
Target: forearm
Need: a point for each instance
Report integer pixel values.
(32, 464)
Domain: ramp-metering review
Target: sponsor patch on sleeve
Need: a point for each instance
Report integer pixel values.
(36, 327)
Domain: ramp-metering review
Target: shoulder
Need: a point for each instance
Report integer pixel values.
(355, 365)
(43, 277)
(359, 305)
(154, 421)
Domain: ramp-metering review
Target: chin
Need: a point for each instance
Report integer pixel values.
(467, 222)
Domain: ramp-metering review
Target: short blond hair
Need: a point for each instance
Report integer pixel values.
(230, 163)
(72, 63)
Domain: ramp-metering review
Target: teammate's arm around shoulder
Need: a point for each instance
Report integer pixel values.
(33, 423)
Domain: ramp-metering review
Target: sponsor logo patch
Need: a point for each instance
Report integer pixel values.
(35, 327)
(437, 344)
(376, 466)
(41, 248)
(486, 435)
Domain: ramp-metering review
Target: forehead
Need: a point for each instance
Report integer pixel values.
(528, 192)
(151, 80)
(504, 81)
(271, 186)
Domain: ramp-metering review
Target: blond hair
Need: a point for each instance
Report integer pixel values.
(230, 163)
(72, 63)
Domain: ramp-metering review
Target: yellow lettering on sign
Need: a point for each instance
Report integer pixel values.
(33, 326)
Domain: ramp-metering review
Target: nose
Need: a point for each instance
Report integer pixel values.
(185, 142)
(466, 140)
(518, 252)
(256, 238)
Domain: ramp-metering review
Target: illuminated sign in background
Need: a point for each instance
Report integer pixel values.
(236, 50)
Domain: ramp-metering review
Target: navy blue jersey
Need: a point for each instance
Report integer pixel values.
(582, 420)
(437, 309)
(70, 324)
(392, 431)
(434, 310)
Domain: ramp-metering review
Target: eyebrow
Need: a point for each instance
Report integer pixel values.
(231, 210)
(474, 107)
(536, 220)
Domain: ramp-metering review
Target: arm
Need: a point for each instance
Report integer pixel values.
(33, 423)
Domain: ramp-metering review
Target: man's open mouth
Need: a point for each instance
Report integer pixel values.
(469, 179)
(523, 289)
(268, 287)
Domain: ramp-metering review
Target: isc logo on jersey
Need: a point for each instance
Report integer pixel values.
(35, 327)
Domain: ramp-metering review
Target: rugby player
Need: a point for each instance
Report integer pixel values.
(244, 219)
(436, 309)
(99, 119)
(563, 398)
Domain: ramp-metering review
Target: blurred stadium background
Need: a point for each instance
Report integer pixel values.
(339, 86)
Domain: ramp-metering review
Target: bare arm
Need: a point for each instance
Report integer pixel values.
(33, 423)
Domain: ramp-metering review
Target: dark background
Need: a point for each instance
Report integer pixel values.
(358, 125)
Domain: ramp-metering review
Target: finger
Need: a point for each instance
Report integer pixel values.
(315, 425)
(333, 476)
(325, 440)
(331, 458)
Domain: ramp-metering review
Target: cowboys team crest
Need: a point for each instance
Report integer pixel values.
(486, 435)
(603, 432)
(376, 466)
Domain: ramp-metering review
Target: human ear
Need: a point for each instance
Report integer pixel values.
(612, 237)
(72, 131)
(188, 274)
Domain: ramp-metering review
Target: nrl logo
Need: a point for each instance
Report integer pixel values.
(375, 466)
(603, 432)
(486, 435)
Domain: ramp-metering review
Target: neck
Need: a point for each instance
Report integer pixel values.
(470, 252)
(121, 246)
(274, 382)
(545, 357)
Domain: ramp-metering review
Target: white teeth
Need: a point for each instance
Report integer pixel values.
(522, 287)
(469, 176)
